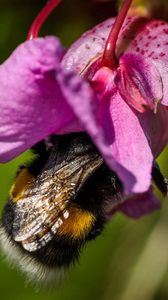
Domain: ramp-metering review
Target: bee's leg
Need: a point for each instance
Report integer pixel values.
(160, 181)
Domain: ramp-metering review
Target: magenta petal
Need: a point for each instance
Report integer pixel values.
(139, 81)
(115, 129)
(139, 205)
(139, 36)
(90, 46)
(31, 102)
(155, 128)
(87, 48)
(130, 147)
(151, 41)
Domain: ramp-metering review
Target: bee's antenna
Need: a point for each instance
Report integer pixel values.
(41, 17)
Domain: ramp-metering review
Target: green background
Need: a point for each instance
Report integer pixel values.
(130, 259)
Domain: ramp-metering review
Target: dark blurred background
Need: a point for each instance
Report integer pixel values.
(130, 260)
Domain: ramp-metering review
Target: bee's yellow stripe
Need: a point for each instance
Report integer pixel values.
(23, 182)
(78, 224)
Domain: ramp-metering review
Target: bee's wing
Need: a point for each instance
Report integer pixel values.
(44, 207)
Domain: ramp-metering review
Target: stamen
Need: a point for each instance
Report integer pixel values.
(156, 102)
(41, 18)
(109, 57)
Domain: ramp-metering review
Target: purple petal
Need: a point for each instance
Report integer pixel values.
(139, 205)
(155, 128)
(115, 129)
(87, 48)
(138, 35)
(135, 83)
(151, 41)
(90, 46)
(130, 147)
(32, 105)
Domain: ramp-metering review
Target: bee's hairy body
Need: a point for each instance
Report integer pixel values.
(57, 202)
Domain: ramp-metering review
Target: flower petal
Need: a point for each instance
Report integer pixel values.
(32, 105)
(151, 41)
(90, 46)
(87, 48)
(114, 127)
(155, 128)
(130, 147)
(138, 35)
(135, 83)
(138, 205)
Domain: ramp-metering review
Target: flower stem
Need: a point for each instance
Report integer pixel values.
(40, 19)
(109, 56)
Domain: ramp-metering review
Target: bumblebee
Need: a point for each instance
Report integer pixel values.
(57, 203)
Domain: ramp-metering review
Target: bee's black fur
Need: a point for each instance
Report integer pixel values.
(62, 250)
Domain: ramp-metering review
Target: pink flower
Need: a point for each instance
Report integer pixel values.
(112, 85)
